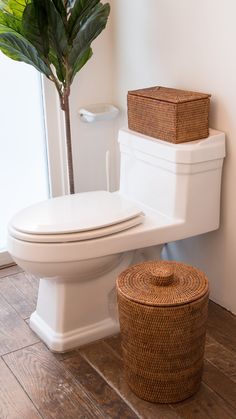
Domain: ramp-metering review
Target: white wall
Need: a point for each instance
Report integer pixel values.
(188, 44)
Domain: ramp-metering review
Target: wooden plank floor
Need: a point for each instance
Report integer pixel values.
(89, 382)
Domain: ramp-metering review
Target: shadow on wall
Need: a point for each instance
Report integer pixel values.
(206, 252)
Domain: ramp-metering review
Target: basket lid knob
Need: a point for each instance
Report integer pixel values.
(162, 276)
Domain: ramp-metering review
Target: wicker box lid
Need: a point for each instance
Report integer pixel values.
(170, 95)
(162, 283)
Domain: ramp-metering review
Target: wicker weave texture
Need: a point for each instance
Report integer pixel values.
(177, 283)
(163, 347)
(172, 122)
(168, 94)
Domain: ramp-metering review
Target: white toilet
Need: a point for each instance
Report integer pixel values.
(78, 244)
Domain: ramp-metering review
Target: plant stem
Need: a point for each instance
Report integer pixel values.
(66, 109)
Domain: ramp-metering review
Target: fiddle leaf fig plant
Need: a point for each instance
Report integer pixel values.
(55, 37)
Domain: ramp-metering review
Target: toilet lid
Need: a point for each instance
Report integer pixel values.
(78, 213)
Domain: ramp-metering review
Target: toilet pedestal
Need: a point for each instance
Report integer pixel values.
(78, 309)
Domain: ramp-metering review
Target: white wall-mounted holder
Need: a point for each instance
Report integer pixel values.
(98, 112)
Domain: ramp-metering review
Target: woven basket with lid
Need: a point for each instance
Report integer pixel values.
(163, 313)
(169, 114)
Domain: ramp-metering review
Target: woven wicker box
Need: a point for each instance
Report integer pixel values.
(168, 114)
(163, 314)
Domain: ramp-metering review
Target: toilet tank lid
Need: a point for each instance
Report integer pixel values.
(75, 213)
(202, 150)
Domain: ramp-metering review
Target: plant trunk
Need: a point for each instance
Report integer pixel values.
(66, 109)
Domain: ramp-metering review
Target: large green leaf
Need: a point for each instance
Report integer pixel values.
(16, 7)
(80, 10)
(18, 48)
(10, 21)
(89, 31)
(35, 24)
(57, 31)
(80, 62)
(61, 9)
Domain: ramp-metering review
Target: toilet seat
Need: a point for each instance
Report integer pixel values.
(74, 237)
(76, 217)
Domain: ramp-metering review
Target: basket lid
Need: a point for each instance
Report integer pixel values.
(162, 283)
(167, 94)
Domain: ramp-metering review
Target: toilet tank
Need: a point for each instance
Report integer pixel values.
(178, 180)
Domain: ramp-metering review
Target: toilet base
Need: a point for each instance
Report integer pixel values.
(63, 342)
(79, 306)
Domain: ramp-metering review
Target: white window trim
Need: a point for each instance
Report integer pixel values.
(55, 136)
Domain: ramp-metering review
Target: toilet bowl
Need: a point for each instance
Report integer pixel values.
(78, 244)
